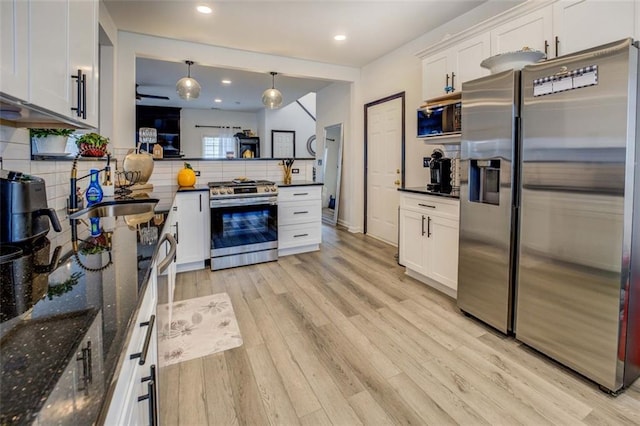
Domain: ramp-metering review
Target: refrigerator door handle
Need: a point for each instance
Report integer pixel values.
(423, 225)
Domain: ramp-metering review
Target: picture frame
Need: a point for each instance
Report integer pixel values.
(283, 143)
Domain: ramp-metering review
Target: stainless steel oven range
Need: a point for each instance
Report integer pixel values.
(244, 222)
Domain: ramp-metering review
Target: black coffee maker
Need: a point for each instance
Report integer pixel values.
(440, 170)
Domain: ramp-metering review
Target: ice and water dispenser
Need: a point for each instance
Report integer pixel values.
(484, 181)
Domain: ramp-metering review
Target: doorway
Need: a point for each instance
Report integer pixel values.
(384, 150)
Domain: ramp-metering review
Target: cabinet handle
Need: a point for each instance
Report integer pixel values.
(84, 96)
(427, 205)
(200, 202)
(422, 225)
(304, 212)
(428, 227)
(546, 47)
(300, 235)
(147, 340)
(177, 234)
(557, 44)
(78, 79)
(453, 81)
(151, 395)
(87, 372)
(446, 85)
(301, 193)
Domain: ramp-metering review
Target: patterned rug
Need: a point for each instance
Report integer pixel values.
(194, 328)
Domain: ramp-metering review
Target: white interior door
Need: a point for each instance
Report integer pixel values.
(384, 144)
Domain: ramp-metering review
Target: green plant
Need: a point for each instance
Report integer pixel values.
(42, 133)
(92, 140)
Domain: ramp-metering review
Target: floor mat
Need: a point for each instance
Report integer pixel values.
(194, 328)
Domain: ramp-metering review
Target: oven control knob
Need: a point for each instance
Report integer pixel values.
(229, 191)
(214, 192)
(273, 189)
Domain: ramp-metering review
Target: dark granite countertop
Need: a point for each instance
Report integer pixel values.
(423, 190)
(299, 183)
(55, 299)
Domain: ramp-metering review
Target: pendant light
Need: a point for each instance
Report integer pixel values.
(187, 87)
(272, 98)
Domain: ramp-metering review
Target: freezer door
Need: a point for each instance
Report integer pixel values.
(578, 147)
(486, 204)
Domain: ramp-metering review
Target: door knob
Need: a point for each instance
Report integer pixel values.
(397, 171)
(397, 182)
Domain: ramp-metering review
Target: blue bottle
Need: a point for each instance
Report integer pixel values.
(94, 191)
(94, 229)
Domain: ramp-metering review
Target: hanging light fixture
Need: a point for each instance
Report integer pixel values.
(187, 87)
(272, 98)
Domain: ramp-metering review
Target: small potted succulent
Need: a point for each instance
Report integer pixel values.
(92, 145)
(50, 141)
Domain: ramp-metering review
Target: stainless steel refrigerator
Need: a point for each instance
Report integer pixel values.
(572, 287)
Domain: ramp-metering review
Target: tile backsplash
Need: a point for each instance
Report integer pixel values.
(15, 152)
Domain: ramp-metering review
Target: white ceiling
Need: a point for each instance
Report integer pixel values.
(302, 29)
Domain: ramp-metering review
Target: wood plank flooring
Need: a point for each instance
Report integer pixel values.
(343, 337)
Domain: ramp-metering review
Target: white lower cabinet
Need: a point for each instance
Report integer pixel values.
(190, 218)
(299, 219)
(429, 229)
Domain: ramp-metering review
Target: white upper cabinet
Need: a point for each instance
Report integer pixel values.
(582, 24)
(14, 39)
(454, 66)
(45, 43)
(534, 30)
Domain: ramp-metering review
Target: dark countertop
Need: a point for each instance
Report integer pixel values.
(423, 190)
(54, 299)
(299, 183)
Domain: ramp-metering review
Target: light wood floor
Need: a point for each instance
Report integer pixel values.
(343, 337)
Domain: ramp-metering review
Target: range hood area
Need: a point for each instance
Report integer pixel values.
(17, 113)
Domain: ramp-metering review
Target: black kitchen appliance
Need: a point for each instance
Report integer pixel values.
(23, 208)
(248, 146)
(440, 171)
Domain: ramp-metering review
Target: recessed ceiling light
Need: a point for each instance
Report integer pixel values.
(226, 81)
(217, 100)
(340, 37)
(204, 9)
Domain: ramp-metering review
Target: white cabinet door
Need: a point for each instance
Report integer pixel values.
(412, 244)
(442, 254)
(83, 56)
(582, 24)
(467, 57)
(434, 75)
(533, 30)
(191, 218)
(14, 48)
(49, 74)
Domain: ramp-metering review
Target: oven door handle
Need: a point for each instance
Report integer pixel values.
(232, 202)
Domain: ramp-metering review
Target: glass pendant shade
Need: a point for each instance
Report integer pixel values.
(272, 98)
(187, 87)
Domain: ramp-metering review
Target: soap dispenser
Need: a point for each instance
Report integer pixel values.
(94, 191)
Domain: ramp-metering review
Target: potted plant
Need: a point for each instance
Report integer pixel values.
(92, 145)
(50, 141)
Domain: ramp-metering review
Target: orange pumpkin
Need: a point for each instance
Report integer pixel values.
(186, 176)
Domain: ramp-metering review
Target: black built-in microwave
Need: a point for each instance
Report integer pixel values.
(440, 118)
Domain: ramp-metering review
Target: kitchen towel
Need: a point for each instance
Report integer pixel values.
(197, 327)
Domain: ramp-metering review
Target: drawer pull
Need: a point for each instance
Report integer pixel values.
(300, 193)
(147, 339)
(427, 205)
(304, 212)
(300, 235)
(151, 395)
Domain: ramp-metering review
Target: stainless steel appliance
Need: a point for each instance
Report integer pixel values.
(244, 222)
(440, 116)
(23, 208)
(550, 217)
(440, 173)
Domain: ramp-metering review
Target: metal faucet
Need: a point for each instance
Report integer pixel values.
(73, 180)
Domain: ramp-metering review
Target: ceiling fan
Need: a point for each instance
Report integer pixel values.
(139, 96)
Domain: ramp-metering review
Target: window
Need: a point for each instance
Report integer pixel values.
(220, 145)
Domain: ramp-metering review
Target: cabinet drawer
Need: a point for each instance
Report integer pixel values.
(299, 235)
(431, 205)
(299, 193)
(302, 212)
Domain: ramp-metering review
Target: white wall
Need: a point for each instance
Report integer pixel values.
(191, 137)
(290, 117)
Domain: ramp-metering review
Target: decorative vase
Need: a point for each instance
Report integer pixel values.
(287, 177)
(52, 144)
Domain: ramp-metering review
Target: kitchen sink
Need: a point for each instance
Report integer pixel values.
(122, 207)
